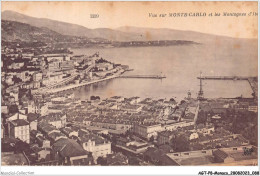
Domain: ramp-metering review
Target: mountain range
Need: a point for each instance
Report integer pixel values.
(126, 33)
(12, 31)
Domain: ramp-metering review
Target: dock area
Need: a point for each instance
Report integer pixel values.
(223, 78)
(69, 87)
(61, 89)
(143, 76)
(251, 80)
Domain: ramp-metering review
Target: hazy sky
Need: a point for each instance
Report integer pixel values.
(117, 14)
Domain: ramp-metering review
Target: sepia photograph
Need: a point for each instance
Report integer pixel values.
(129, 83)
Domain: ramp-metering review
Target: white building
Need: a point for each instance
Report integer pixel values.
(147, 130)
(174, 126)
(20, 129)
(95, 144)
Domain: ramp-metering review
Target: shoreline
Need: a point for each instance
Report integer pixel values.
(79, 85)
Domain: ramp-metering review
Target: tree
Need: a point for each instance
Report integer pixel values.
(21, 146)
(182, 102)
(180, 143)
(13, 109)
(102, 161)
(134, 161)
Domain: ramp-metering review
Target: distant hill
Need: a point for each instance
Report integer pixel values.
(22, 32)
(57, 26)
(168, 34)
(12, 31)
(171, 34)
(66, 28)
(126, 33)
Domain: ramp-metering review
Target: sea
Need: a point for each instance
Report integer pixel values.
(181, 65)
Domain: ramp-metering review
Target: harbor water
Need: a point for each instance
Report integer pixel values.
(181, 65)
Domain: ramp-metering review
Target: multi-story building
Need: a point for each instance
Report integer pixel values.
(37, 76)
(147, 130)
(52, 78)
(53, 67)
(20, 129)
(66, 65)
(57, 58)
(95, 144)
(69, 152)
(58, 120)
(174, 126)
(131, 108)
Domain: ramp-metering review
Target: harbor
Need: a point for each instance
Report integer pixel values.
(73, 86)
(143, 76)
(223, 77)
(251, 81)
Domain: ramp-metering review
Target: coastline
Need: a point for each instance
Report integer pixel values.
(79, 85)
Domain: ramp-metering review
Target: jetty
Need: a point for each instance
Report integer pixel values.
(252, 83)
(143, 76)
(59, 87)
(223, 78)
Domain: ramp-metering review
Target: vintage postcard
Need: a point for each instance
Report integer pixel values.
(129, 84)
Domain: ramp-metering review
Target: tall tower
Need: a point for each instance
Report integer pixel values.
(200, 94)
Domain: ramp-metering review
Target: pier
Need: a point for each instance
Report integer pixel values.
(143, 76)
(70, 87)
(223, 78)
(250, 80)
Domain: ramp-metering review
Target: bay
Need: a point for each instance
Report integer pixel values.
(181, 65)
